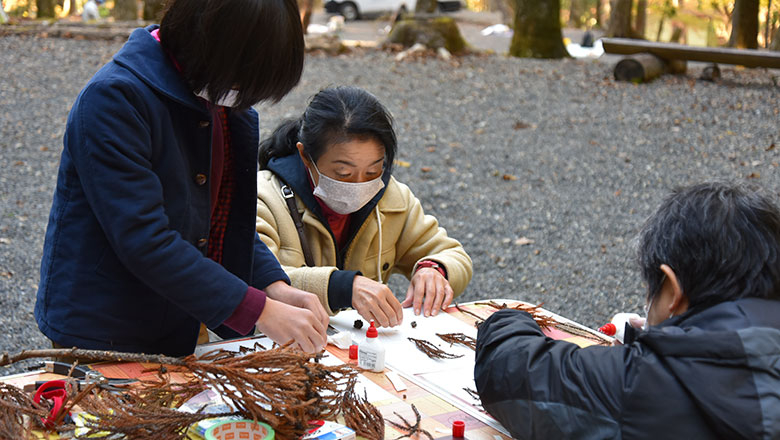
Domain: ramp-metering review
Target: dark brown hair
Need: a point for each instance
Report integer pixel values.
(253, 46)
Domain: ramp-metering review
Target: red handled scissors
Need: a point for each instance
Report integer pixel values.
(56, 392)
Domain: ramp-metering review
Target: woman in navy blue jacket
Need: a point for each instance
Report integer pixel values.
(152, 228)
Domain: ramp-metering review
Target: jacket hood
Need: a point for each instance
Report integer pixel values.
(727, 358)
(146, 58)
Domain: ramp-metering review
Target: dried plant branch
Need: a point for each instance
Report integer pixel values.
(87, 355)
(281, 386)
(459, 338)
(545, 321)
(479, 319)
(473, 393)
(15, 404)
(360, 415)
(410, 429)
(433, 351)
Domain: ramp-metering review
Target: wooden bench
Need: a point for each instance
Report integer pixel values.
(650, 59)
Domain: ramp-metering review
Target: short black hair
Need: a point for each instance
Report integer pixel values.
(334, 115)
(253, 46)
(721, 239)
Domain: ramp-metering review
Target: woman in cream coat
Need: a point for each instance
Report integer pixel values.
(359, 225)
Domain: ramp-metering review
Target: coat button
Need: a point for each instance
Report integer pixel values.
(203, 242)
(386, 266)
(200, 179)
(204, 124)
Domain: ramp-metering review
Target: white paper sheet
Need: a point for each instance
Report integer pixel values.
(402, 354)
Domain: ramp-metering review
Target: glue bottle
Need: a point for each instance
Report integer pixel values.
(617, 327)
(371, 352)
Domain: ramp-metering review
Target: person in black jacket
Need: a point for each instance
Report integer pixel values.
(707, 364)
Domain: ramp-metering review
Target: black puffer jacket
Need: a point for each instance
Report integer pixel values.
(713, 373)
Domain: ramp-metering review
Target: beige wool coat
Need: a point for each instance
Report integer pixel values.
(407, 236)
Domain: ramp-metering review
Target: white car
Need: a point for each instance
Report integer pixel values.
(355, 9)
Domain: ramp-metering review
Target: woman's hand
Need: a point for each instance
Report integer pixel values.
(375, 301)
(287, 294)
(284, 323)
(428, 284)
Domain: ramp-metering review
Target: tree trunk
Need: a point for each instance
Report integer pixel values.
(125, 10)
(504, 8)
(305, 9)
(744, 25)
(537, 30)
(767, 21)
(576, 13)
(620, 19)
(640, 28)
(425, 6)
(153, 10)
(46, 8)
(599, 11)
(775, 41)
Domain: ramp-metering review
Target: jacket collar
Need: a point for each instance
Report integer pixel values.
(293, 172)
(711, 331)
(145, 57)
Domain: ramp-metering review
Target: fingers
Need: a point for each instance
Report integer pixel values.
(448, 295)
(409, 296)
(429, 294)
(419, 294)
(283, 323)
(636, 322)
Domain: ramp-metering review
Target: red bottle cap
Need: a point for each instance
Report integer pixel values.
(371, 332)
(353, 351)
(458, 429)
(608, 329)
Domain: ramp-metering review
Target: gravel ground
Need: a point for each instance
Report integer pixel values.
(498, 149)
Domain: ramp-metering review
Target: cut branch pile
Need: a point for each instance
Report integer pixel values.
(281, 387)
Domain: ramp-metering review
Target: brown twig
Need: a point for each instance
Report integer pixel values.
(459, 338)
(433, 351)
(410, 429)
(87, 355)
(545, 321)
(479, 319)
(474, 395)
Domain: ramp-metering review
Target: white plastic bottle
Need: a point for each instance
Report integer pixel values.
(371, 352)
(620, 320)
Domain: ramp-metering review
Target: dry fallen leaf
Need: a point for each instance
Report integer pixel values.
(431, 148)
(519, 125)
(522, 241)
(508, 177)
(754, 175)
(425, 169)
(402, 163)
(453, 170)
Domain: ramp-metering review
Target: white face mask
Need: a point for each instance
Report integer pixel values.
(229, 100)
(345, 197)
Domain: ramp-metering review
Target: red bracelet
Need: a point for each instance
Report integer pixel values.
(432, 265)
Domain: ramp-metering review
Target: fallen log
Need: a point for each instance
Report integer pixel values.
(645, 67)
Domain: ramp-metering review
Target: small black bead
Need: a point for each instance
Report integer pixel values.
(358, 324)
